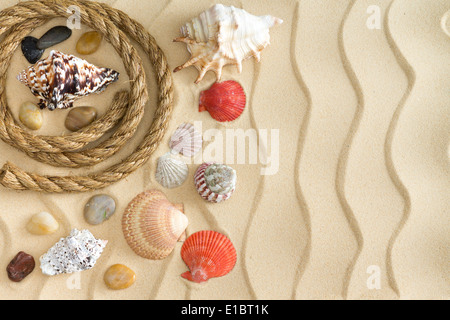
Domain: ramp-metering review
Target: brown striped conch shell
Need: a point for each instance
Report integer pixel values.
(152, 225)
(61, 78)
(224, 35)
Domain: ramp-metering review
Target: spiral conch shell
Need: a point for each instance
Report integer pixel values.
(61, 78)
(225, 35)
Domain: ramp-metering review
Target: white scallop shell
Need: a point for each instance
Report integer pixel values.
(225, 35)
(171, 172)
(78, 252)
(186, 140)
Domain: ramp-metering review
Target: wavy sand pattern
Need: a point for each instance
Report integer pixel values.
(362, 190)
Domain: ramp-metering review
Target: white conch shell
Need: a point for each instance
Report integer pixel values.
(186, 140)
(171, 172)
(78, 252)
(225, 35)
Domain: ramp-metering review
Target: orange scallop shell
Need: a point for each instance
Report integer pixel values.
(152, 225)
(208, 254)
(225, 101)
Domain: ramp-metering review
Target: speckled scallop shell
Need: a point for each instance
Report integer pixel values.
(186, 140)
(61, 78)
(225, 101)
(224, 35)
(171, 172)
(208, 254)
(215, 182)
(77, 252)
(152, 225)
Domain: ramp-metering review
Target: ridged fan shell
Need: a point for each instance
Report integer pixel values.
(224, 35)
(225, 101)
(208, 254)
(152, 225)
(61, 78)
(186, 140)
(171, 172)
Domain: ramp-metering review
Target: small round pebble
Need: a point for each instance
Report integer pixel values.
(20, 267)
(99, 208)
(42, 224)
(89, 42)
(119, 277)
(31, 116)
(80, 117)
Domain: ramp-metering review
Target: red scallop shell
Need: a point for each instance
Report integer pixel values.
(208, 254)
(225, 101)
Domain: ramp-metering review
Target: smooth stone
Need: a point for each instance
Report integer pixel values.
(80, 117)
(42, 224)
(119, 277)
(20, 267)
(89, 42)
(54, 36)
(30, 50)
(99, 208)
(31, 116)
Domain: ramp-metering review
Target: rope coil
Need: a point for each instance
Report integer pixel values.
(126, 111)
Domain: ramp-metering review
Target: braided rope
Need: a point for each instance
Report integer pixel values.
(126, 111)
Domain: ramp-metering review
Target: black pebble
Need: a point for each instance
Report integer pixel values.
(30, 51)
(54, 36)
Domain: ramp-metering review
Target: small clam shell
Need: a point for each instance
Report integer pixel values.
(152, 225)
(186, 140)
(171, 172)
(208, 254)
(119, 277)
(215, 182)
(42, 224)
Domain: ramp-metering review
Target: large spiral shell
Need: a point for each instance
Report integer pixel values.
(224, 35)
(61, 78)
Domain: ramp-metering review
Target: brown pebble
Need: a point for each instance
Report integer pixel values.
(80, 117)
(89, 42)
(20, 267)
(119, 277)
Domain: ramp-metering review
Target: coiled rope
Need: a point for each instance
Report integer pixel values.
(126, 111)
